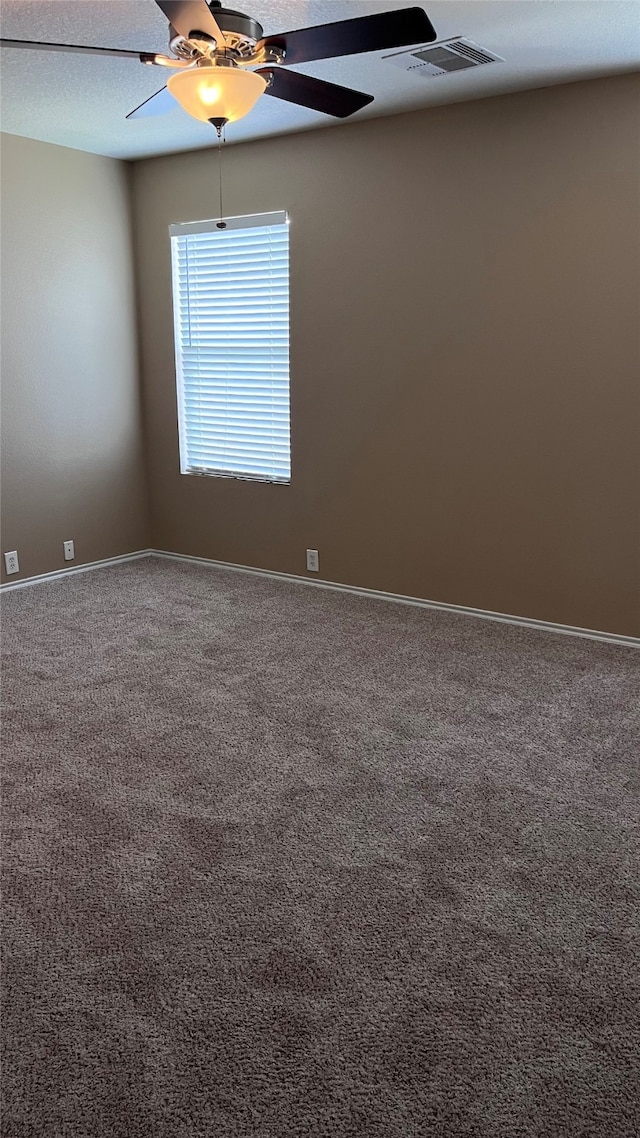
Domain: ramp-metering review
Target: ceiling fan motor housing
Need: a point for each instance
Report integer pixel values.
(241, 32)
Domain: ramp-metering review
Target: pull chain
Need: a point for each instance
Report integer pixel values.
(220, 224)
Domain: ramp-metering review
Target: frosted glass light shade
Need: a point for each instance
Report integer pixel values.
(216, 92)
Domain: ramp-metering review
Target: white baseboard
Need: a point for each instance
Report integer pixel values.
(58, 574)
(398, 598)
(375, 594)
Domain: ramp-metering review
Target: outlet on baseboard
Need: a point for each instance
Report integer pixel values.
(313, 562)
(11, 562)
(69, 552)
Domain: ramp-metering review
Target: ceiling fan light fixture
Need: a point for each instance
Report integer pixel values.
(217, 92)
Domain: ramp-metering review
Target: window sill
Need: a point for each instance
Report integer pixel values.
(236, 477)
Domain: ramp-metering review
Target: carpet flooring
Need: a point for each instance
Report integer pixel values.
(282, 862)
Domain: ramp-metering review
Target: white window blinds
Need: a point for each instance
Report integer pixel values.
(231, 312)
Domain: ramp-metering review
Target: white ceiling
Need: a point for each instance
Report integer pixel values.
(81, 101)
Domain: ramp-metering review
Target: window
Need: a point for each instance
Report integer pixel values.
(231, 312)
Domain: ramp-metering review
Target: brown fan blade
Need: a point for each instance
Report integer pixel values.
(317, 94)
(189, 17)
(157, 104)
(82, 49)
(379, 32)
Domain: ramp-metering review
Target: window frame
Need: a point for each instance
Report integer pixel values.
(210, 226)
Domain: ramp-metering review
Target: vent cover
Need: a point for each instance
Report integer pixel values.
(444, 58)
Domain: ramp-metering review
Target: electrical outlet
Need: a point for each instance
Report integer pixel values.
(11, 562)
(69, 552)
(313, 563)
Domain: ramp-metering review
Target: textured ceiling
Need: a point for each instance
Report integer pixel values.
(81, 101)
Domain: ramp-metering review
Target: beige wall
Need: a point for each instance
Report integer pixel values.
(72, 456)
(465, 354)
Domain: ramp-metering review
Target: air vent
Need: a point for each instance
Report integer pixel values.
(444, 58)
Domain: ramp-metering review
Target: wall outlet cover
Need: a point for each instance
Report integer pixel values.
(313, 561)
(11, 562)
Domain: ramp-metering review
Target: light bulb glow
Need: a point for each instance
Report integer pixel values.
(216, 92)
(207, 94)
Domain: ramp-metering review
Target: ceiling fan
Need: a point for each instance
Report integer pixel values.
(224, 63)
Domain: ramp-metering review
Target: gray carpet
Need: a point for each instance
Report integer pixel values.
(284, 862)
